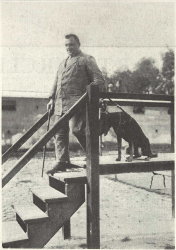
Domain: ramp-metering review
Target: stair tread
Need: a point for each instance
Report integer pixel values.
(72, 176)
(12, 232)
(49, 194)
(30, 212)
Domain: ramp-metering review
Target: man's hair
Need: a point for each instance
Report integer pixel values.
(75, 37)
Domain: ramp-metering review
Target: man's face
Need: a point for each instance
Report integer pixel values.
(72, 46)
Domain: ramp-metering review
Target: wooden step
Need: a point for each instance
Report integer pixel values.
(44, 195)
(49, 194)
(30, 213)
(71, 176)
(57, 184)
(13, 235)
(26, 214)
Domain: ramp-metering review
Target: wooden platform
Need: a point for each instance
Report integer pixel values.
(109, 165)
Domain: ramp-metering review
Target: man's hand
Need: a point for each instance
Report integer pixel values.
(50, 105)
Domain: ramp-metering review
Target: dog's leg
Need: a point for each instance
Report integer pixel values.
(153, 155)
(119, 142)
(131, 146)
(146, 150)
(136, 152)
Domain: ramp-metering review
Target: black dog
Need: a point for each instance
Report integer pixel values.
(125, 128)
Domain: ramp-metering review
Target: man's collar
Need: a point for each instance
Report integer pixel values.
(77, 54)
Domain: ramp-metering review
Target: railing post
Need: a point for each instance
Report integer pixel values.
(172, 127)
(100, 138)
(173, 192)
(173, 171)
(92, 148)
(66, 230)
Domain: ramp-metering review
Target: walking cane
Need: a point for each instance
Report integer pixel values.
(44, 148)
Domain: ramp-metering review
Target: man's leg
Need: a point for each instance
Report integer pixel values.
(61, 148)
(78, 124)
(62, 142)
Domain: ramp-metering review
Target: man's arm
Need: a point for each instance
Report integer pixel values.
(53, 89)
(94, 73)
(50, 104)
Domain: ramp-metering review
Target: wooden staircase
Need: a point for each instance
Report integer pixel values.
(52, 207)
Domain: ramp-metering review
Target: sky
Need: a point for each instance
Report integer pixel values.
(118, 34)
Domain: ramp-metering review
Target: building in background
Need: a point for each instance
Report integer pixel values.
(20, 110)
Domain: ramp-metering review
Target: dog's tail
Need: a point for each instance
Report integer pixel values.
(111, 101)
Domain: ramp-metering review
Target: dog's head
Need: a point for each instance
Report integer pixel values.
(104, 125)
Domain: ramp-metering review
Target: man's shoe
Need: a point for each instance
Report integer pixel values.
(58, 167)
(70, 165)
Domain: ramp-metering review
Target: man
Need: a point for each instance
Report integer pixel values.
(73, 76)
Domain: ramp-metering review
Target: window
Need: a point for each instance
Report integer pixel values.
(8, 105)
(139, 109)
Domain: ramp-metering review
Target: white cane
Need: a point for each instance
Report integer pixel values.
(44, 148)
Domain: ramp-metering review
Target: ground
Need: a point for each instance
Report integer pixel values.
(131, 215)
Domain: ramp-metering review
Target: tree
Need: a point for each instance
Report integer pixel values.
(122, 80)
(142, 80)
(168, 71)
(166, 76)
(145, 76)
(168, 64)
(105, 76)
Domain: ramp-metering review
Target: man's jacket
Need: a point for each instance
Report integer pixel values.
(73, 76)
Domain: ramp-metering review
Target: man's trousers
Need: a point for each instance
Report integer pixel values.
(77, 124)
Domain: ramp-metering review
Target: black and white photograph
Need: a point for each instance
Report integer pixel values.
(87, 124)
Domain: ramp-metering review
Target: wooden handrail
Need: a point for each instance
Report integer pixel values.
(151, 97)
(45, 138)
(24, 138)
(127, 99)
